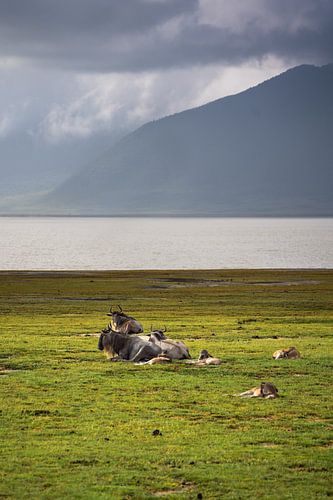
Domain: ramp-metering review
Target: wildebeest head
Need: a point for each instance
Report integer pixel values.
(122, 323)
(204, 354)
(110, 342)
(267, 389)
(291, 353)
(158, 335)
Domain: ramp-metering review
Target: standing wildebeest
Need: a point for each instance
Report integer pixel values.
(172, 349)
(266, 390)
(125, 347)
(122, 323)
(290, 353)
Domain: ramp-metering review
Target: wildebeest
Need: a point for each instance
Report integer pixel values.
(172, 349)
(290, 353)
(160, 360)
(207, 359)
(267, 390)
(122, 323)
(127, 348)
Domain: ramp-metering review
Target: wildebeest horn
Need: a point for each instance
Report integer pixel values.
(110, 313)
(120, 308)
(165, 329)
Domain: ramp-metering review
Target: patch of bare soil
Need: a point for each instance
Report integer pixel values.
(185, 487)
(86, 334)
(163, 283)
(4, 370)
(83, 299)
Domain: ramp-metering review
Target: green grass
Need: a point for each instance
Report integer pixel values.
(74, 425)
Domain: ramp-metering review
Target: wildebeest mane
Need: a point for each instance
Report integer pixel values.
(118, 341)
(100, 342)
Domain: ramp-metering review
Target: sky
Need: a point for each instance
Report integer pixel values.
(71, 69)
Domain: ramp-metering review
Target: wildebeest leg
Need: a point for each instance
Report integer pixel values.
(117, 358)
(140, 355)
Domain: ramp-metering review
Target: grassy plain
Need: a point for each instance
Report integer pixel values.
(74, 425)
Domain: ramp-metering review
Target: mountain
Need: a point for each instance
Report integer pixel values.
(31, 165)
(265, 151)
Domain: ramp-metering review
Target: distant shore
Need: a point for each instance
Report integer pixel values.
(171, 215)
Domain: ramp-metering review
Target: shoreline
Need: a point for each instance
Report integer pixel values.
(189, 277)
(171, 216)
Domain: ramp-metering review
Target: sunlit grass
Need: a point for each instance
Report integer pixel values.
(76, 426)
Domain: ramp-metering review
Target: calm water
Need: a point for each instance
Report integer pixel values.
(164, 243)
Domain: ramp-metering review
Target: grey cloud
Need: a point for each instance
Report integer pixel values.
(71, 18)
(68, 30)
(138, 35)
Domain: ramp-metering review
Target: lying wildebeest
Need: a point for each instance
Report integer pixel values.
(290, 353)
(122, 323)
(266, 390)
(172, 349)
(207, 359)
(160, 360)
(118, 346)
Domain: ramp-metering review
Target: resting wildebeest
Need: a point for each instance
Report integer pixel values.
(267, 390)
(160, 360)
(127, 348)
(172, 349)
(290, 353)
(122, 323)
(207, 359)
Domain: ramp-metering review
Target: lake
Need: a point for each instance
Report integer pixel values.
(87, 243)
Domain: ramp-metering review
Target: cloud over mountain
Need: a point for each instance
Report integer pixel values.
(75, 75)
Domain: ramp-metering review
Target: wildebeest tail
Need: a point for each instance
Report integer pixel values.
(100, 342)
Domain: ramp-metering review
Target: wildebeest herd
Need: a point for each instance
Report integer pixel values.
(121, 340)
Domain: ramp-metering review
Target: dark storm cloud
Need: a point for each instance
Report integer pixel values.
(136, 35)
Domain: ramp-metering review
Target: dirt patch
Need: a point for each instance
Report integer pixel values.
(275, 337)
(167, 493)
(86, 334)
(192, 282)
(326, 445)
(84, 462)
(185, 487)
(5, 371)
(82, 299)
